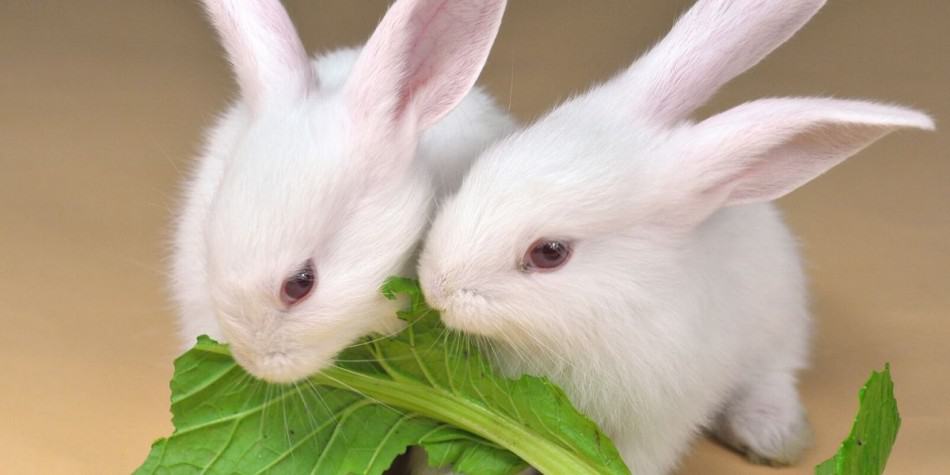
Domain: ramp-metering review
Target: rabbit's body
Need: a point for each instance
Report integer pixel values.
(318, 183)
(671, 332)
(726, 309)
(632, 255)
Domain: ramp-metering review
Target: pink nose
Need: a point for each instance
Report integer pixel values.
(433, 287)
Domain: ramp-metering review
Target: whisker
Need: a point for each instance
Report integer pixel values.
(372, 360)
(511, 86)
(315, 389)
(361, 393)
(311, 418)
(283, 409)
(267, 395)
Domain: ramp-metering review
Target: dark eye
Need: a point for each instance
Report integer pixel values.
(298, 286)
(546, 255)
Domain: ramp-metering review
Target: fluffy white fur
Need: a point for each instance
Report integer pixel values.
(338, 160)
(683, 306)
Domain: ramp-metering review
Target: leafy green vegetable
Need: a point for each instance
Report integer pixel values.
(424, 386)
(866, 449)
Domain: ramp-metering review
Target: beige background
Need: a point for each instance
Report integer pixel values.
(102, 104)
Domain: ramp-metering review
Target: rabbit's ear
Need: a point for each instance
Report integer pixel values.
(268, 58)
(761, 150)
(423, 58)
(711, 44)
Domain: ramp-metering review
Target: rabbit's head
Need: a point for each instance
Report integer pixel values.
(319, 197)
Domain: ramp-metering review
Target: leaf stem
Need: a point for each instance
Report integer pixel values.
(436, 403)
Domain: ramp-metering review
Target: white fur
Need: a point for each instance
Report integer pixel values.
(683, 305)
(321, 164)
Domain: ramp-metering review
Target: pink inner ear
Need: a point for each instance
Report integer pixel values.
(418, 70)
(801, 159)
(762, 150)
(424, 57)
(426, 60)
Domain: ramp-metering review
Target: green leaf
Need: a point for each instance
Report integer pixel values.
(424, 386)
(866, 449)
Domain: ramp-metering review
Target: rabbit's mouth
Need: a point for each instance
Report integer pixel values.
(466, 310)
(284, 366)
(462, 308)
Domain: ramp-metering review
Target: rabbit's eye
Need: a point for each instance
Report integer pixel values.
(546, 255)
(298, 286)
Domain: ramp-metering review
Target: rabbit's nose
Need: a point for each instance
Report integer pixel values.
(435, 291)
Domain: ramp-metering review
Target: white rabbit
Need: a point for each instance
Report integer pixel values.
(318, 183)
(632, 256)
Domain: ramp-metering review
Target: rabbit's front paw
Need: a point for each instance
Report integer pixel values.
(766, 422)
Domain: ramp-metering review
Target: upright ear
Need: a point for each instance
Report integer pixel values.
(761, 150)
(712, 43)
(268, 59)
(423, 58)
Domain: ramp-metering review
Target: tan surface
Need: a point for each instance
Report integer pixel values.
(102, 104)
